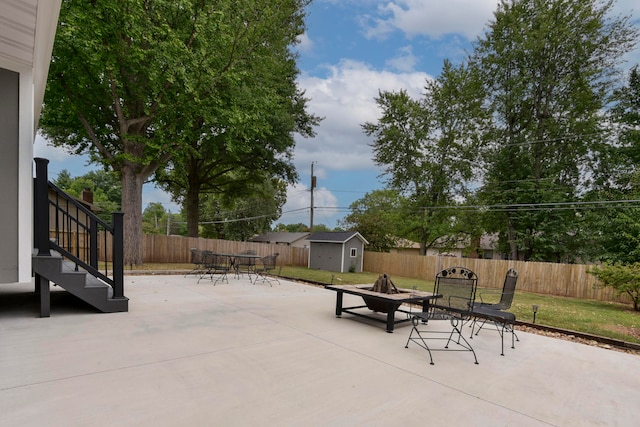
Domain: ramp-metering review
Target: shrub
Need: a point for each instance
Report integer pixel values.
(623, 278)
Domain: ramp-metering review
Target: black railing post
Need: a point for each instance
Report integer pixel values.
(118, 254)
(93, 242)
(42, 206)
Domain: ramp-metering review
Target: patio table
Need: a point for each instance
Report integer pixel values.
(238, 261)
(385, 303)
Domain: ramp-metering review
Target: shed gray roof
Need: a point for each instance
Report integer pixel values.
(335, 236)
(280, 237)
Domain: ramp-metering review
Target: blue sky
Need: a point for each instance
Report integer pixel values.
(351, 50)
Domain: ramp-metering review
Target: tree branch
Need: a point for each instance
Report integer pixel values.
(94, 139)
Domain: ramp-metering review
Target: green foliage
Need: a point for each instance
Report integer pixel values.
(548, 68)
(235, 218)
(616, 228)
(427, 148)
(135, 82)
(154, 219)
(376, 217)
(624, 278)
(246, 136)
(104, 185)
(292, 228)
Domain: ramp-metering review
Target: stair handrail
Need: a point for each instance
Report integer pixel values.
(63, 228)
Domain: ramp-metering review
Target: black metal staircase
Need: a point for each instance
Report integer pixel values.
(75, 249)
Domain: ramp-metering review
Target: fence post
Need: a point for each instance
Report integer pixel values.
(41, 214)
(118, 254)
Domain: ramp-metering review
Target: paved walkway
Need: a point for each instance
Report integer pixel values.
(238, 354)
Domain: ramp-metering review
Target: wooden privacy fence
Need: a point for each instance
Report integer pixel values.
(176, 249)
(569, 280)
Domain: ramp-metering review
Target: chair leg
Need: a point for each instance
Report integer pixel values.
(514, 336)
(222, 277)
(422, 342)
(455, 323)
(475, 321)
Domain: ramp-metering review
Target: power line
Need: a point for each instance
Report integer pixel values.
(550, 205)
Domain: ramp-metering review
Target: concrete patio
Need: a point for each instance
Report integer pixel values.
(237, 354)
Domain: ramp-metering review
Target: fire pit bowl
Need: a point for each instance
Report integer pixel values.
(384, 285)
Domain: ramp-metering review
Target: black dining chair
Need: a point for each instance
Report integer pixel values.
(265, 268)
(455, 288)
(496, 313)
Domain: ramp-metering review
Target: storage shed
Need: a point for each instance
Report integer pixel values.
(339, 251)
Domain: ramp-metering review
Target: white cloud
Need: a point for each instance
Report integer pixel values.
(153, 194)
(297, 208)
(345, 98)
(42, 149)
(433, 18)
(405, 60)
(305, 44)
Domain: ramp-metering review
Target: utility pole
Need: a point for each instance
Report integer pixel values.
(313, 185)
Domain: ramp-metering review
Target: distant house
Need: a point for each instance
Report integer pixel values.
(486, 247)
(407, 247)
(336, 251)
(298, 240)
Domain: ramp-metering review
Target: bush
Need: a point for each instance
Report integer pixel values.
(624, 278)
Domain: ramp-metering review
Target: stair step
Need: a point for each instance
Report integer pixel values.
(78, 282)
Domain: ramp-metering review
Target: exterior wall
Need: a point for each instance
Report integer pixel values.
(326, 256)
(337, 256)
(25, 53)
(300, 243)
(348, 260)
(9, 161)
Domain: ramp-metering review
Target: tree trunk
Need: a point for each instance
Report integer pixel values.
(513, 246)
(193, 210)
(132, 208)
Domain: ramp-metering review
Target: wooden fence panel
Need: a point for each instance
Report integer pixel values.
(177, 249)
(569, 280)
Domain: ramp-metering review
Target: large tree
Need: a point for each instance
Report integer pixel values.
(376, 216)
(246, 138)
(616, 225)
(427, 149)
(224, 216)
(129, 79)
(548, 67)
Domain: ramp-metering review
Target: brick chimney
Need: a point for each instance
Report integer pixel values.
(87, 195)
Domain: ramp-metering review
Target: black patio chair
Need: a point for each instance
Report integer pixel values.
(456, 287)
(216, 264)
(506, 295)
(496, 313)
(245, 264)
(265, 268)
(197, 259)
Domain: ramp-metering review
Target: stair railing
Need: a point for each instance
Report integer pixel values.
(65, 225)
